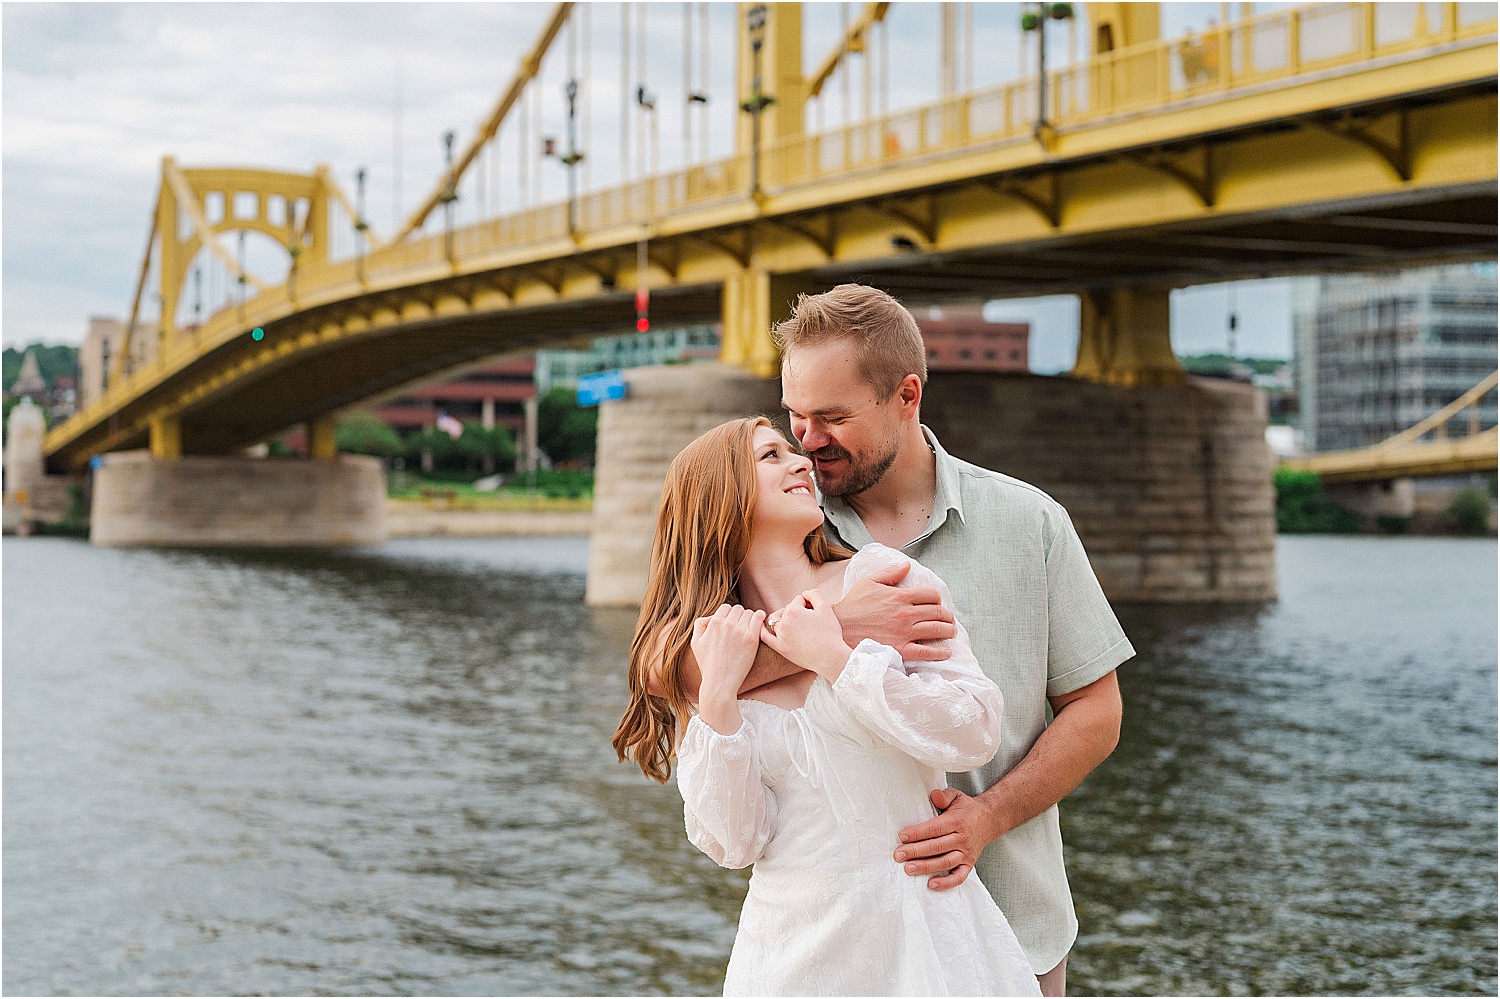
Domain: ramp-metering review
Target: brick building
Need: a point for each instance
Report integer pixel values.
(959, 338)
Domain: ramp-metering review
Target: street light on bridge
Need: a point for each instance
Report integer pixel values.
(755, 24)
(450, 193)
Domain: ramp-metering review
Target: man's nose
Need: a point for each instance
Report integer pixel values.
(813, 438)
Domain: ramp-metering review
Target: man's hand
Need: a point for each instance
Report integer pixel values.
(903, 618)
(1084, 730)
(948, 845)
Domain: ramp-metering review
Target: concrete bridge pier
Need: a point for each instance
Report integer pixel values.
(1169, 486)
(163, 497)
(666, 409)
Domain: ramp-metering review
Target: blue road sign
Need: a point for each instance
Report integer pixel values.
(606, 385)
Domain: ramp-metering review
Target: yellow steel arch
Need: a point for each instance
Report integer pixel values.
(181, 227)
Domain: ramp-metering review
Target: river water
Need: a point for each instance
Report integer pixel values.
(388, 771)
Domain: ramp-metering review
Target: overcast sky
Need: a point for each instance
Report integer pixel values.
(96, 94)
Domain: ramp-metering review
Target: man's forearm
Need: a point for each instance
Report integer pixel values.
(769, 666)
(1081, 736)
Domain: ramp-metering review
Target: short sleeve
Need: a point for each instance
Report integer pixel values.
(1084, 638)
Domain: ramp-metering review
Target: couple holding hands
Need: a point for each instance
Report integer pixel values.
(855, 681)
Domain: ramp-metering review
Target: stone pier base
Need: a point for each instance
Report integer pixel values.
(666, 409)
(1170, 488)
(233, 501)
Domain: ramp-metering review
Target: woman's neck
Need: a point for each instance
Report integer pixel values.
(775, 571)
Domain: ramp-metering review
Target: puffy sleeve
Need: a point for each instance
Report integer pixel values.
(729, 812)
(944, 714)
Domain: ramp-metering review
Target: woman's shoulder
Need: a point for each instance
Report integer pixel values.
(874, 557)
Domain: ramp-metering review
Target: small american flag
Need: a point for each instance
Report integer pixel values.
(449, 426)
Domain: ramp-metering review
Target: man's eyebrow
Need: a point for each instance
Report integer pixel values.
(836, 411)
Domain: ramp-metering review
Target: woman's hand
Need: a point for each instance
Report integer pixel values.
(724, 645)
(807, 632)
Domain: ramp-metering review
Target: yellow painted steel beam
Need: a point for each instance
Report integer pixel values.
(1442, 416)
(1424, 459)
(530, 66)
(853, 41)
(188, 201)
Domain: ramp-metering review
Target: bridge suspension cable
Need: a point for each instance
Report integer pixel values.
(530, 66)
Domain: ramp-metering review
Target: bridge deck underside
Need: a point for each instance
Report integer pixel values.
(1375, 233)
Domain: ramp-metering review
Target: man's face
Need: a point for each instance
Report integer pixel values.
(851, 435)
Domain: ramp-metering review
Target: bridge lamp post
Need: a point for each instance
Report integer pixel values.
(360, 226)
(572, 157)
(450, 194)
(647, 101)
(1036, 20)
(755, 23)
(240, 278)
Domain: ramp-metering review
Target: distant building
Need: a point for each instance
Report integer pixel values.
(494, 393)
(100, 352)
(631, 350)
(29, 381)
(959, 338)
(1376, 353)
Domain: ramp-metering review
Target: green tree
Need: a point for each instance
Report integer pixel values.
(61, 359)
(1303, 508)
(444, 449)
(564, 429)
(1470, 511)
(477, 443)
(365, 433)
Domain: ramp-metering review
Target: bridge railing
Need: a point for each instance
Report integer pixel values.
(1278, 46)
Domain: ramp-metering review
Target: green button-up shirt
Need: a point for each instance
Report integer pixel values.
(1023, 588)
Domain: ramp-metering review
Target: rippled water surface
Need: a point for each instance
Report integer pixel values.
(388, 771)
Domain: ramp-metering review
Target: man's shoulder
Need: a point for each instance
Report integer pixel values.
(996, 491)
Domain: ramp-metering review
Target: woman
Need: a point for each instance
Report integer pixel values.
(811, 777)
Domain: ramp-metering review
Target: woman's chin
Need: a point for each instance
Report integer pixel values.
(794, 521)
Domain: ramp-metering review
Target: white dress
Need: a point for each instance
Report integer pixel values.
(815, 799)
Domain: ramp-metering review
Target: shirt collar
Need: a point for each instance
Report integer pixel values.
(948, 497)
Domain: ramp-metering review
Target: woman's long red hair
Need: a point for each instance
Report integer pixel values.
(702, 538)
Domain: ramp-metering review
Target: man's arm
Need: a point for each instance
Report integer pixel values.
(1084, 731)
(902, 617)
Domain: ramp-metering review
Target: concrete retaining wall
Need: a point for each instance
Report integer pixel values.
(197, 500)
(411, 520)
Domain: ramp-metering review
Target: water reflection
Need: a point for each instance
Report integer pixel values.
(388, 771)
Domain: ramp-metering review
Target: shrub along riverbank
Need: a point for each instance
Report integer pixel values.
(1302, 507)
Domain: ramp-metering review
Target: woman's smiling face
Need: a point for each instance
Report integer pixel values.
(784, 490)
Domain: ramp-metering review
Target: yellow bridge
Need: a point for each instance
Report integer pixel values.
(1427, 448)
(1323, 137)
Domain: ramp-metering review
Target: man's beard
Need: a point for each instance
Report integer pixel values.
(858, 475)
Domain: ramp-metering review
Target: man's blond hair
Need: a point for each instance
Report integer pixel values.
(888, 342)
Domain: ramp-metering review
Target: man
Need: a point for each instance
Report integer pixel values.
(853, 370)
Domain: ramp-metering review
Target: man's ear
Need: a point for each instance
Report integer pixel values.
(909, 395)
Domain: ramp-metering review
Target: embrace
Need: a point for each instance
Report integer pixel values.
(855, 681)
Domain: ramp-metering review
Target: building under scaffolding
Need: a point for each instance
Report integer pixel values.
(1376, 353)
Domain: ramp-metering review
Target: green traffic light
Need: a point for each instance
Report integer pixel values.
(257, 333)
